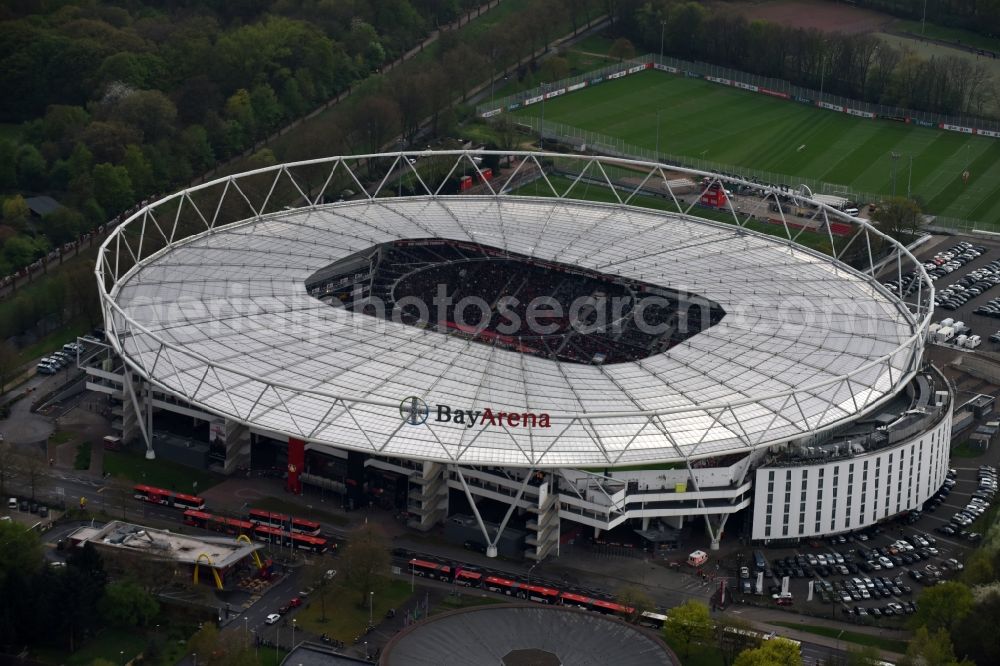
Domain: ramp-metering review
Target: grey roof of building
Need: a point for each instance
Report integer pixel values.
(486, 634)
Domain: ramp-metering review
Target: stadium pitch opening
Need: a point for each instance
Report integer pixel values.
(514, 301)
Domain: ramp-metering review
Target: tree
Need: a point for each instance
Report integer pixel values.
(316, 574)
(976, 635)
(126, 604)
(30, 168)
(898, 217)
(266, 108)
(20, 551)
(139, 169)
(942, 606)
(376, 119)
(979, 568)
(622, 49)
(554, 68)
(8, 363)
(866, 655)
(775, 652)
(215, 649)
(112, 188)
(150, 111)
(8, 165)
(365, 562)
(931, 649)
(15, 210)
(63, 225)
(635, 598)
(7, 465)
(82, 586)
(687, 624)
(32, 467)
(733, 635)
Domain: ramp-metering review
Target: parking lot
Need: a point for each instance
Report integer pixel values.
(965, 307)
(875, 575)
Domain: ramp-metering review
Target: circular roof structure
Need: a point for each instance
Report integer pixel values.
(525, 635)
(270, 318)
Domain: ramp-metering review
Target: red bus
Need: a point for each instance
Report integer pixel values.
(167, 497)
(609, 607)
(269, 518)
(303, 526)
(539, 593)
(468, 578)
(302, 541)
(588, 603)
(578, 600)
(430, 569)
(284, 522)
(497, 584)
(218, 523)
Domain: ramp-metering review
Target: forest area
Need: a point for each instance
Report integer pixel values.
(117, 102)
(857, 66)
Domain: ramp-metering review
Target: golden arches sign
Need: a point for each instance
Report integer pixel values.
(215, 572)
(253, 553)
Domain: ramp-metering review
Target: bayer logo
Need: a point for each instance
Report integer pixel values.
(414, 410)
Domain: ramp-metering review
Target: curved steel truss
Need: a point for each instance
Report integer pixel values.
(202, 294)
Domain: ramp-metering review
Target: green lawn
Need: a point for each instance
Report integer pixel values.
(344, 618)
(732, 128)
(700, 655)
(115, 645)
(82, 460)
(849, 636)
(966, 450)
(944, 34)
(160, 473)
(60, 437)
(279, 505)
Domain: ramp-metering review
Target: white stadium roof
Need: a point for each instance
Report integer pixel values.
(223, 320)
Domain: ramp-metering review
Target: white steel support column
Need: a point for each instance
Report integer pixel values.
(724, 518)
(491, 544)
(149, 421)
(713, 535)
(140, 419)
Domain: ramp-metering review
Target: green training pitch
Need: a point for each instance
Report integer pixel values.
(700, 119)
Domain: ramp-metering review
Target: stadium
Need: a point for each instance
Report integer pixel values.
(566, 365)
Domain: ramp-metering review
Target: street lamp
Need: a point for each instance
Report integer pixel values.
(371, 602)
(663, 25)
(658, 135)
(194, 655)
(541, 128)
(293, 634)
(121, 656)
(246, 628)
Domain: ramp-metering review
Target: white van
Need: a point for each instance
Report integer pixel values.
(973, 341)
(697, 558)
(960, 340)
(853, 212)
(12, 503)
